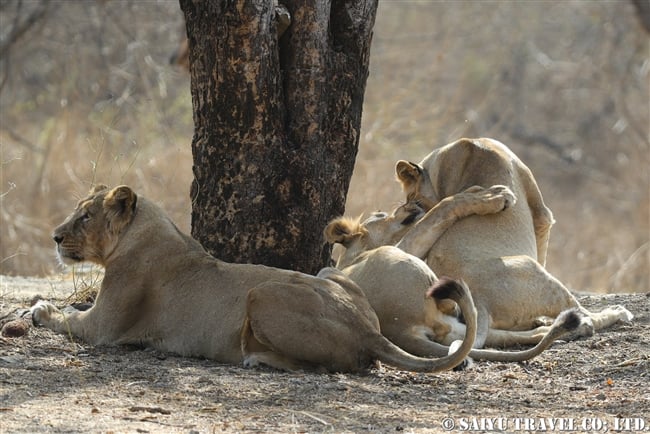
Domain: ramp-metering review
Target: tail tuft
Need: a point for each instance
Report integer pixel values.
(446, 287)
(569, 319)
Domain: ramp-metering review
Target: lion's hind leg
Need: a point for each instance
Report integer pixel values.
(498, 338)
(267, 324)
(311, 325)
(609, 316)
(271, 359)
(508, 338)
(420, 341)
(255, 353)
(593, 321)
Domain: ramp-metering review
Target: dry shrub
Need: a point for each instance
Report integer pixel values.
(89, 98)
(87, 102)
(565, 85)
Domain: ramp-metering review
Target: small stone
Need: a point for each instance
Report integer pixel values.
(15, 329)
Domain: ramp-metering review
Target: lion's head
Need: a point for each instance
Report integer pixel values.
(91, 232)
(379, 229)
(415, 183)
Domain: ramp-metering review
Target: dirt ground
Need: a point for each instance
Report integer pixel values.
(51, 384)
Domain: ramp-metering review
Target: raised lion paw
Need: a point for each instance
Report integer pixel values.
(482, 201)
(42, 312)
(502, 194)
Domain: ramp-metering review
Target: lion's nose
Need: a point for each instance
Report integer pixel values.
(57, 239)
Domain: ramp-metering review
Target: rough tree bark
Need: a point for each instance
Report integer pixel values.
(643, 13)
(276, 124)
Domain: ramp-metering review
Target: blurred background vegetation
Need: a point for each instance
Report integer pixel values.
(87, 95)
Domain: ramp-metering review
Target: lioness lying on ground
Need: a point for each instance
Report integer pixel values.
(161, 289)
(396, 282)
(501, 256)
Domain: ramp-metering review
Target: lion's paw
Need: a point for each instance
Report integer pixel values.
(543, 321)
(42, 312)
(251, 361)
(491, 200)
(69, 310)
(504, 195)
(466, 364)
(624, 315)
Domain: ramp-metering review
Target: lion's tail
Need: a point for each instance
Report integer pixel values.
(458, 291)
(567, 321)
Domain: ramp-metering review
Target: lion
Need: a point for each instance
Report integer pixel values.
(161, 289)
(501, 256)
(395, 282)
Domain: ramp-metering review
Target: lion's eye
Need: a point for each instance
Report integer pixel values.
(410, 219)
(84, 217)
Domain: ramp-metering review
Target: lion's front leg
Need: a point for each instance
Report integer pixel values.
(473, 201)
(482, 201)
(67, 321)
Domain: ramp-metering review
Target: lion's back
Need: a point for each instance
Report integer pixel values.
(483, 162)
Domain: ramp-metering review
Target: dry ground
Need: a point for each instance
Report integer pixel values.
(50, 384)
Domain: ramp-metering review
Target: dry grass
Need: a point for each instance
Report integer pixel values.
(89, 97)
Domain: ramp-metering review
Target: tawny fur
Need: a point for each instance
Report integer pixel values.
(161, 289)
(501, 256)
(396, 282)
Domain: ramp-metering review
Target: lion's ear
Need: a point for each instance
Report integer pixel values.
(408, 174)
(119, 205)
(97, 188)
(343, 230)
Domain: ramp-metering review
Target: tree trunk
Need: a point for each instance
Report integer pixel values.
(276, 124)
(643, 13)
